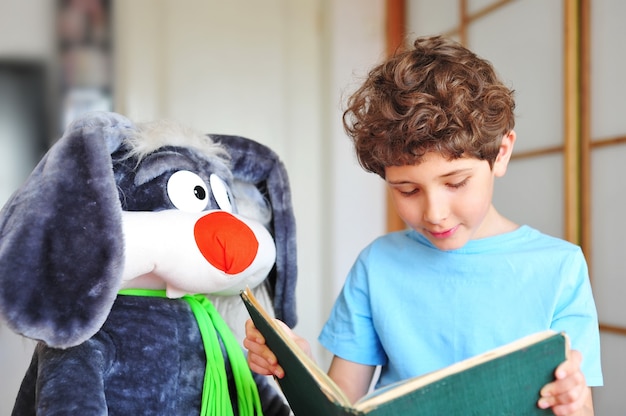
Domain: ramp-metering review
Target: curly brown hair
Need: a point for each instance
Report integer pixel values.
(437, 96)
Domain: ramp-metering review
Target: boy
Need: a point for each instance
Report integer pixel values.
(437, 125)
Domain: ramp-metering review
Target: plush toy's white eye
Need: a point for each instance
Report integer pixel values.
(220, 193)
(187, 191)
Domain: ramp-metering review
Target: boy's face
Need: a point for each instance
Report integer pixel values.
(449, 201)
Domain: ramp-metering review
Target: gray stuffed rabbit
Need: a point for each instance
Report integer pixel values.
(124, 253)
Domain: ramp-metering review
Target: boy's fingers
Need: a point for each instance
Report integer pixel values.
(575, 357)
(569, 366)
(258, 358)
(564, 393)
(260, 365)
(261, 359)
(568, 391)
(259, 350)
(253, 333)
(567, 403)
(562, 403)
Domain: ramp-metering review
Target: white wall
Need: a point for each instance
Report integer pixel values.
(26, 28)
(275, 71)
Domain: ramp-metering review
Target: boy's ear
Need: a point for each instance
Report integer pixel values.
(504, 155)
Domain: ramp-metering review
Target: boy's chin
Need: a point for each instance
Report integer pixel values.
(447, 247)
(449, 243)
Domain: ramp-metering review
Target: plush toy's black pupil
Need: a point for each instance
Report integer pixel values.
(199, 192)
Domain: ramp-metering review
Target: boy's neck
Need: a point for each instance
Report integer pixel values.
(495, 224)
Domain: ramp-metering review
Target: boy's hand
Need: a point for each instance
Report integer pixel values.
(568, 394)
(260, 358)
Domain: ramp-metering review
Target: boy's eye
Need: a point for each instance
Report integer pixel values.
(407, 191)
(457, 185)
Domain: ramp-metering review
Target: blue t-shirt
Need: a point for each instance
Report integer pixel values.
(413, 308)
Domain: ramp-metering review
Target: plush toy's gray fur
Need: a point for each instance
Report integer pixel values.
(61, 245)
(61, 260)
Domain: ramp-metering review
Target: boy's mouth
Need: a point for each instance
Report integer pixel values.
(443, 234)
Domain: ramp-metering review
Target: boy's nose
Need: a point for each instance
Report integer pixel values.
(435, 209)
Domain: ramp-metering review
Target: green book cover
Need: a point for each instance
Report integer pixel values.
(504, 381)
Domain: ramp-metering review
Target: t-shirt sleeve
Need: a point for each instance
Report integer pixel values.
(349, 332)
(576, 315)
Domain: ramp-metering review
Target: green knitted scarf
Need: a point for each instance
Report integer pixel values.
(215, 395)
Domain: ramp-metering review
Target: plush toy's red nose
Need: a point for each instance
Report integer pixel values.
(226, 242)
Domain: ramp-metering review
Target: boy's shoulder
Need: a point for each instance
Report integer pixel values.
(534, 236)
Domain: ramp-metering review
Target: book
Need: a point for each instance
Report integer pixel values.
(503, 381)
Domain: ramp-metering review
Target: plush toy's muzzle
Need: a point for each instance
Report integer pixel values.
(222, 252)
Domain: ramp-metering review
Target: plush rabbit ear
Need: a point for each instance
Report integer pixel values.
(257, 164)
(61, 243)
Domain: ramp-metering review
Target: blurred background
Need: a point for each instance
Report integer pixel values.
(278, 71)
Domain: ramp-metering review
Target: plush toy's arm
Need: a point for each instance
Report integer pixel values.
(59, 382)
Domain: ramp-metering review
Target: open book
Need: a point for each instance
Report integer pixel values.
(504, 381)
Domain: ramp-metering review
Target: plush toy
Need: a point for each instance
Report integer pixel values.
(124, 254)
